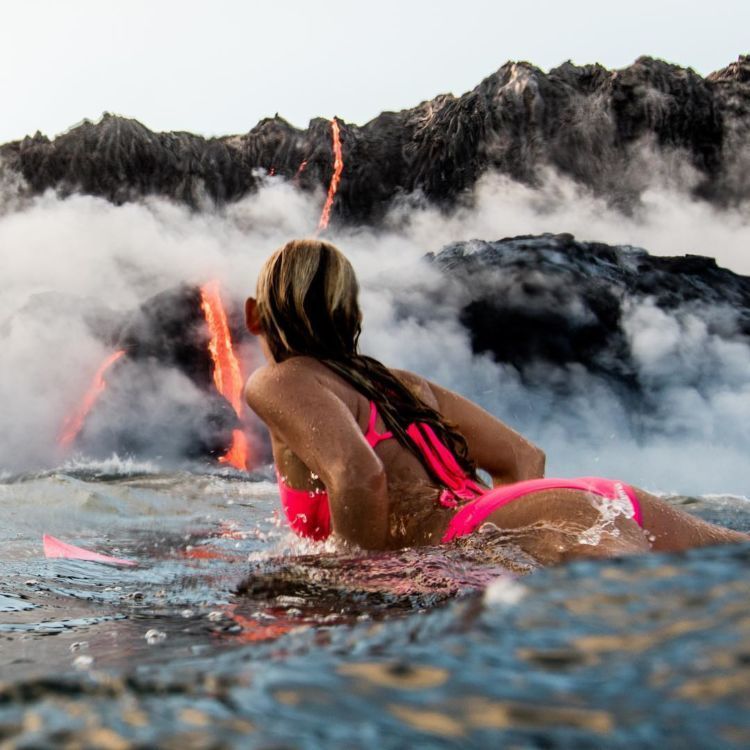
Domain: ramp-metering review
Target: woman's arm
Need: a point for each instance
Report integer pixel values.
(503, 453)
(303, 414)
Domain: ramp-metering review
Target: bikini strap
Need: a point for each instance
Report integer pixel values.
(372, 436)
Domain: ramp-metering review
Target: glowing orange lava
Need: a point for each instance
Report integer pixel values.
(227, 374)
(74, 422)
(338, 168)
(238, 452)
(253, 629)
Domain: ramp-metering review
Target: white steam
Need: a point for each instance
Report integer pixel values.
(65, 261)
(667, 221)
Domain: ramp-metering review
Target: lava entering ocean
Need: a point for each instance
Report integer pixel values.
(74, 422)
(338, 167)
(227, 378)
(227, 373)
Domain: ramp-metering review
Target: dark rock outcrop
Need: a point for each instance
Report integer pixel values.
(586, 122)
(552, 300)
(170, 329)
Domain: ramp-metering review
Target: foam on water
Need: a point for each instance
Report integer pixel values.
(114, 465)
(725, 497)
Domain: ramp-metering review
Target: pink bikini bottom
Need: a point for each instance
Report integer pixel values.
(475, 512)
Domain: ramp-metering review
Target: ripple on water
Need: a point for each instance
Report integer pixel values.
(14, 604)
(288, 640)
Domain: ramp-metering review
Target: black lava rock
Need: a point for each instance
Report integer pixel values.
(552, 300)
(585, 121)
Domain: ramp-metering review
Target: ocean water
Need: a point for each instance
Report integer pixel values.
(230, 631)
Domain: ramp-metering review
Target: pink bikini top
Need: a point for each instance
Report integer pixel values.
(308, 511)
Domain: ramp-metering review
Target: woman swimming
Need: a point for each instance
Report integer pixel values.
(385, 459)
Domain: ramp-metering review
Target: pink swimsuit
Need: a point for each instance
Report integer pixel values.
(309, 514)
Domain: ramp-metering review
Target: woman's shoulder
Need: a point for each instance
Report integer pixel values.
(416, 384)
(407, 377)
(280, 379)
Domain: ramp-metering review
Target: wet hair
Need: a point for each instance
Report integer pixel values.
(307, 301)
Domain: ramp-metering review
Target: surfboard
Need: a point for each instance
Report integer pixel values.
(54, 547)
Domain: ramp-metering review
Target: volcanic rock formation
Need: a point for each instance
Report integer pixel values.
(552, 301)
(586, 122)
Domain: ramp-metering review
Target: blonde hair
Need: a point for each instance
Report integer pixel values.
(308, 301)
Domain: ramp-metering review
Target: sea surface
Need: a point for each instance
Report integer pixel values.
(229, 631)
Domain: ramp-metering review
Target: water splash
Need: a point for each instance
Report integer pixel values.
(609, 510)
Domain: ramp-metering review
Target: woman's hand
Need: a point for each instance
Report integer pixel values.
(502, 452)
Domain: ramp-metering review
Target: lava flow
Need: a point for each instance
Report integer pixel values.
(74, 422)
(338, 168)
(227, 374)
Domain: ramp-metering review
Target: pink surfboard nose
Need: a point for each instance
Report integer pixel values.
(53, 547)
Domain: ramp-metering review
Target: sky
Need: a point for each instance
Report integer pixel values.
(217, 68)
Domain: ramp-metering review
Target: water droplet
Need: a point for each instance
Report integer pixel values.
(83, 662)
(504, 591)
(154, 636)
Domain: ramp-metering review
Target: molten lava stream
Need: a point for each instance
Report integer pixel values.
(239, 451)
(227, 373)
(74, 423)
(338, 168)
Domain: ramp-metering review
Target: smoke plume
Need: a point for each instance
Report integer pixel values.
(70, 264)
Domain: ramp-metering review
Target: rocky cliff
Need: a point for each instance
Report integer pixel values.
(604, 129)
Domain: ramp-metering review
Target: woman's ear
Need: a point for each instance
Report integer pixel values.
(252, 319)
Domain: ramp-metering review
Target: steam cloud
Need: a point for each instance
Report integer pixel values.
(68, 263)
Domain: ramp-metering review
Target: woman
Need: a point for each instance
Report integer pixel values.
(386, 459)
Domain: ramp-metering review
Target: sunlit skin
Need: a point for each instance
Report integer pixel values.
(383, 498)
